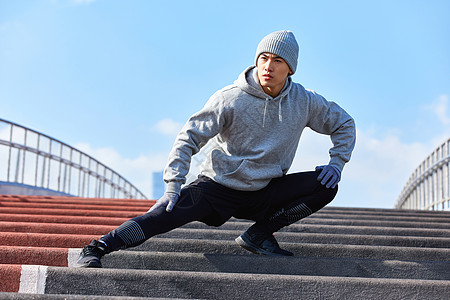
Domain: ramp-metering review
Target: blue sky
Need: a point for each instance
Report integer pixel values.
(117, 79)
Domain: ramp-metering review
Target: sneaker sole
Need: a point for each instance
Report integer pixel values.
(89, 264)
(253, 248)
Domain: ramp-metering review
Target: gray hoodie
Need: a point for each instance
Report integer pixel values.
(256, 136)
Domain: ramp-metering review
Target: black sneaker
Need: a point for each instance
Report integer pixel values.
(261, 244)
(91, 254)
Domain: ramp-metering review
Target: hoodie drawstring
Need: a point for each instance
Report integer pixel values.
(265, 111)
(280, 116)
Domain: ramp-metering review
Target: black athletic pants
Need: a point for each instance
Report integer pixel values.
(282, 202)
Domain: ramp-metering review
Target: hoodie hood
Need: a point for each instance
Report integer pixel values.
(248, 82)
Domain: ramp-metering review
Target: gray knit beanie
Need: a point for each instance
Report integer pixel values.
(281, 43)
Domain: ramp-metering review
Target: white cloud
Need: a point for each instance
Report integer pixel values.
(377, 171)
(312, 151)
(381, 167)
(440, 108)
(168, 127)
(137, 170)
(381, 164)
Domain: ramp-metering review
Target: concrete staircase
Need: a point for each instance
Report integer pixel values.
(340, 253)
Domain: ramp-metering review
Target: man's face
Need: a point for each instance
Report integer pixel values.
(272, 73)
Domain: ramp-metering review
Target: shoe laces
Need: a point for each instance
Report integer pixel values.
(92, 250)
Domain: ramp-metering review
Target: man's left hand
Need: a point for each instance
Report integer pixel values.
(329, 176)
(168, 200)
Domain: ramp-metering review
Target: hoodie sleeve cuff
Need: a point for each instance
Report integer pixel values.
(173, 187)
(337, 163)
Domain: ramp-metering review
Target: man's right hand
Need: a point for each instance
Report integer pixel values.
(329, 175)
(168, 200)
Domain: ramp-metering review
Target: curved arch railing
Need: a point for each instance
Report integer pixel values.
(428, 186)
(31, 158)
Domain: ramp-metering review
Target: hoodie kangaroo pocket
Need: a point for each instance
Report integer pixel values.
(252, 176)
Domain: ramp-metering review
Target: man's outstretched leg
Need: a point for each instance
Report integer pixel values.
(135, 231)
(300, 195)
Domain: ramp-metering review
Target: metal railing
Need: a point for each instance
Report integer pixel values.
(428, 186)
(34, 159)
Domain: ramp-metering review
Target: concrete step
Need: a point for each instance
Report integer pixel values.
(58, 256)
(373, 222)
(299, 249)
(66, 239)
(415, 235)
(382, 211)
(340, 253)
(342, 229)
(377, 223)
(37, 223)
(318, 238)
(217, 285)
(296, 265)
(381, 217)
(16, 296)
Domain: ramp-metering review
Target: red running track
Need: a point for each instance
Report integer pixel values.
(39, 230)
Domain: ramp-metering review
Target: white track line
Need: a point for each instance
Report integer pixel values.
(33, 279)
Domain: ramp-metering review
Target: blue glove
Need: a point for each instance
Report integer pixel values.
(168, 200)
(329, 175)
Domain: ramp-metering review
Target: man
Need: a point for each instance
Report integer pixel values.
(256, 124)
